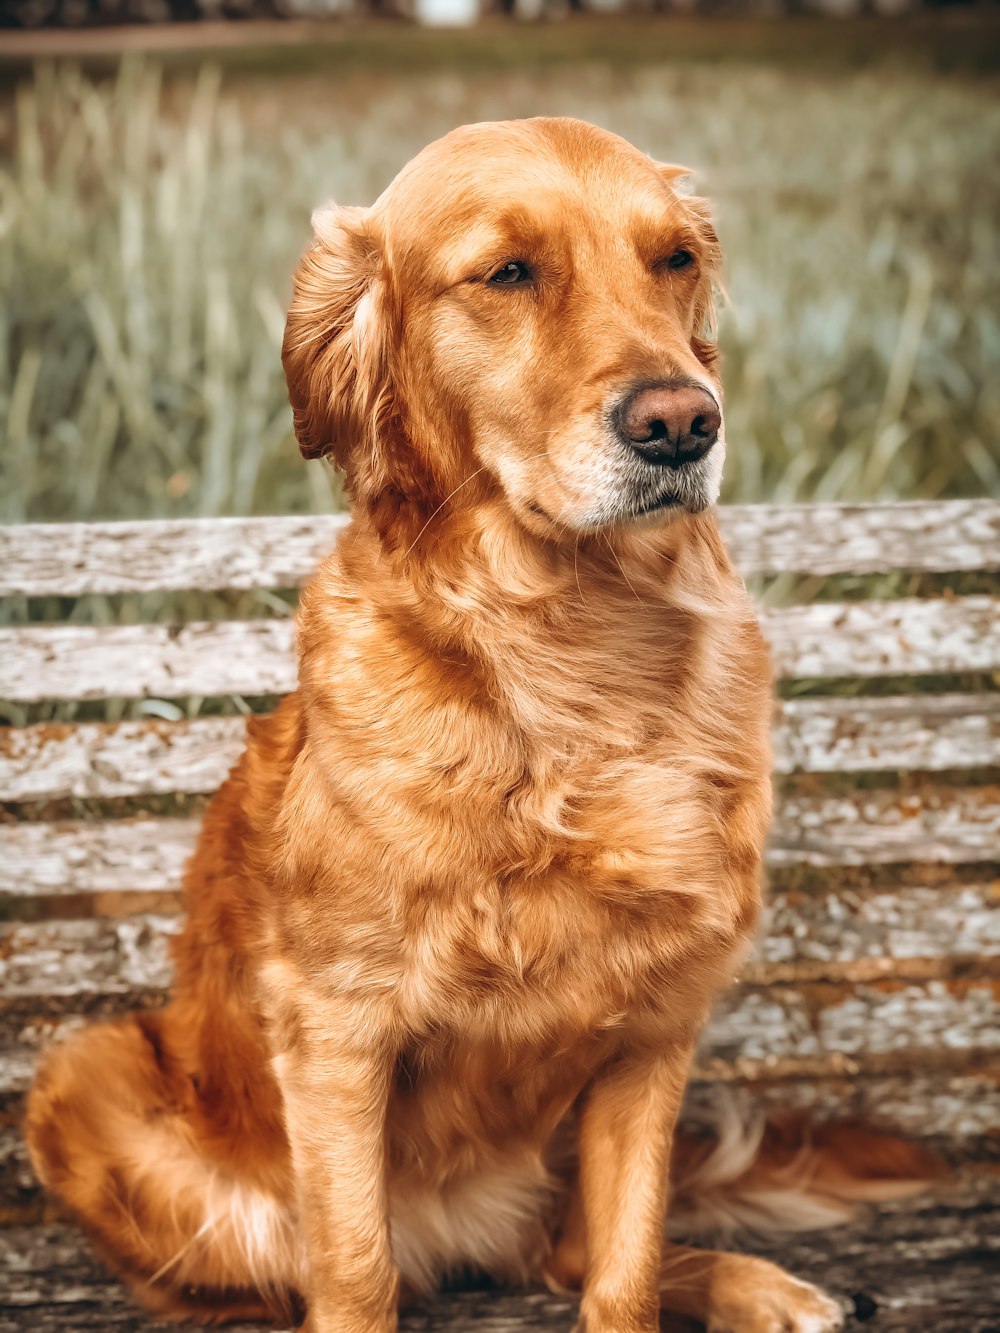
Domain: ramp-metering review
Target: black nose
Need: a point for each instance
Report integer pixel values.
(670, 425)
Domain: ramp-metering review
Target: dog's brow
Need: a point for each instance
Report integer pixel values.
(479, 244)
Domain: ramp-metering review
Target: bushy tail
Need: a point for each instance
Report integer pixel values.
(110, 1133)
(772, 1177)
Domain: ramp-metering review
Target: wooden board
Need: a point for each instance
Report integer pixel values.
(70, 559)
(832, 934)
(909, 637)
(760, 1031)
(944, 824)
(818, 735)
(256, 657)
(924, 1263)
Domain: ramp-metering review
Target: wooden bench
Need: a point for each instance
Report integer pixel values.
(874, 991)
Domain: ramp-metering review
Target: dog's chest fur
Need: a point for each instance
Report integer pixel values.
(551, 849)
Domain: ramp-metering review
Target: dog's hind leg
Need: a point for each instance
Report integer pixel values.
(110, 1133)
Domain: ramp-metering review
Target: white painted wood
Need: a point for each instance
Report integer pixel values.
(754, 1027)
(69, 559)
(756, 1032)
(821, 735)
(936, 536)
(835, 930)
(83, 957)
(254, 657)
(865, 828)
(147, 661)
(51, 762)
(903, 733)
(885, 926)
(943, 1103)
(937, 824)
(909, 637)
(119, 856)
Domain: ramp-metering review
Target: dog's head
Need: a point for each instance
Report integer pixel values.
(526, 312)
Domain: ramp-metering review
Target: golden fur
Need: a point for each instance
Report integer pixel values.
(458, 915)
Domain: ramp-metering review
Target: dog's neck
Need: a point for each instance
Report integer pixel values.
(558, 633)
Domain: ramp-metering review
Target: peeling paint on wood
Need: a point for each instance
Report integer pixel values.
(916, 636)
(825, 735)
(70, 559)
(865, 828)
(757, 1031)
(51, 762)
(905, 733)
(832, 928)
(909, 637)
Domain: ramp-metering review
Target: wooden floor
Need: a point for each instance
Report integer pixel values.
(932, 1263)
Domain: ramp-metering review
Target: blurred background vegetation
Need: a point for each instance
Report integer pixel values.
(152, 209)
(151, 215)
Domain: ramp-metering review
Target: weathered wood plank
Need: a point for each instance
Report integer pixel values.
(69, 559)
(101, 955)
(823, 735)
(951, 825)
(147, 661)
(881, 827)
(757, 1032)
(903, 733)
(53, 761)
(922, 1263)
(757, 1026)
(961, 1108)
(827, 539)
(912, 636)
(886, 926)
(103, 856)
(906, 637)
(805, 933)
(213, 554)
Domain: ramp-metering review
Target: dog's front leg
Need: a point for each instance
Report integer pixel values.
(626, 1129)
(334, 1074)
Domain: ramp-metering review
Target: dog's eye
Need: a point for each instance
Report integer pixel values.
(679, 259)
(511, 274)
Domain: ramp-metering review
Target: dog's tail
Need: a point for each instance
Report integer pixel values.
(787, 1174)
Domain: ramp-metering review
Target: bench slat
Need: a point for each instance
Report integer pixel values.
(905, 733)
(811, 934)
(945, 824)
(757, 1032)
(910, 637)
(950, 825)
(907, 637)
(147, 661)
(826, 735)
(51, 761)
(70, 559)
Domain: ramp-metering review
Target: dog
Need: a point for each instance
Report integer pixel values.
(459, 913)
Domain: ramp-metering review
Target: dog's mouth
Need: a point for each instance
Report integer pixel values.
(690, 499)
(669, 501)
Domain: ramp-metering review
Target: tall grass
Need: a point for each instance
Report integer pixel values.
(148, 232)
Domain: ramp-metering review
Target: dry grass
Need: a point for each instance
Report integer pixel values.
(148, 228)
(147, 234)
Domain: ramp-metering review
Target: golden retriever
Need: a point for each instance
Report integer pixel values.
(458, 915)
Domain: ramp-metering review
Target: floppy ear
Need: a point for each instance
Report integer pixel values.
(335, 349)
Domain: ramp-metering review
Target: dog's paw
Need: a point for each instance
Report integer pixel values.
(764, 1299)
